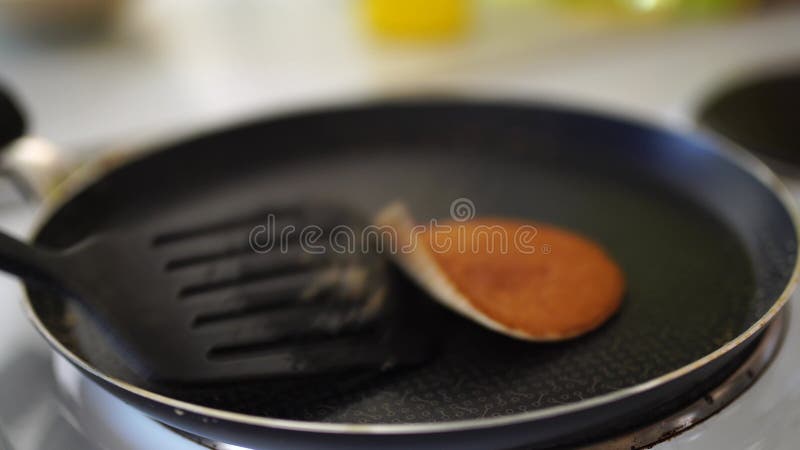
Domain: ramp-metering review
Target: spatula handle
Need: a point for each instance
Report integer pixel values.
(28, 262)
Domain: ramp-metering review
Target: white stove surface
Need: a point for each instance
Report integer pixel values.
(155, 78)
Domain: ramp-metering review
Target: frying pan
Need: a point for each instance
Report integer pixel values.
(705, 234)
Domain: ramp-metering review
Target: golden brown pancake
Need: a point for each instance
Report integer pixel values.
(548, 284)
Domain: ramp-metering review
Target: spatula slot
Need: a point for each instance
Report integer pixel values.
(291, 268)
(243, 222)
(189, 261)
(326, 306)
(320, 343)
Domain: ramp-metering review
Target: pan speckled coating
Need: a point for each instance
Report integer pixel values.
(705, 247)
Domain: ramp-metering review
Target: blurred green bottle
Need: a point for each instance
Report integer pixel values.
(657, 9)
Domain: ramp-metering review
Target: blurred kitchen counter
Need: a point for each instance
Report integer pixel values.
(172, 66)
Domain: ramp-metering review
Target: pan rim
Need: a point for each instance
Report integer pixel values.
(723, 147)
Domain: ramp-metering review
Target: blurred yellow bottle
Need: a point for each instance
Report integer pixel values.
(417, 19)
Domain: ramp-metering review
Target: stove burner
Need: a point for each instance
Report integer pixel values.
(761, 116)
(679, 421)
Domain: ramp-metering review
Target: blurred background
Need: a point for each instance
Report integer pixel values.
(91, 73)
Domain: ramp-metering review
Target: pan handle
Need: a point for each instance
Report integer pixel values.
(12, 123)
(32, 164)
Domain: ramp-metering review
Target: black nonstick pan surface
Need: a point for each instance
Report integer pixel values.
(704, 235)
